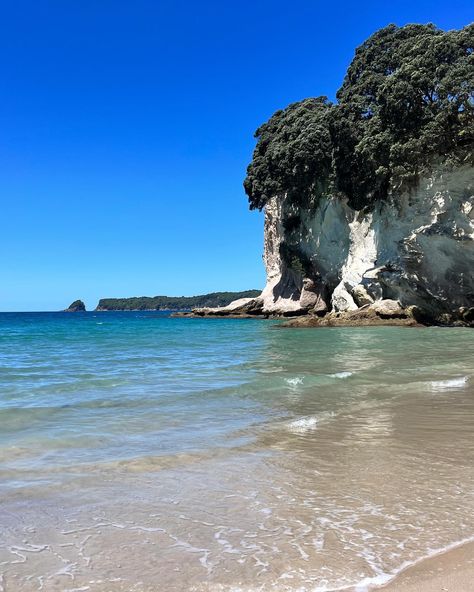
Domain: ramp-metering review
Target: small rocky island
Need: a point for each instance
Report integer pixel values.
(76, 306)
(369, 201)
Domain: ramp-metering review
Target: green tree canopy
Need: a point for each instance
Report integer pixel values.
(293, 153)
(174, 302)
(406, 101)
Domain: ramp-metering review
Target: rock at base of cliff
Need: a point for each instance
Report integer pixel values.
(467, 314)
(381, 312)
(361, 296)
(342, 299)
(389, 309)
(76, 306)
(243, 307)
(416, 247)
(311, 297)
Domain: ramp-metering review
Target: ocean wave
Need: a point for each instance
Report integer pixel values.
(378, 580)
(305, 424)
(310, 422)
(381, 579)
(271, 369)
(451, 383)
(14, 412)
(341, 375)
(294, 381)
(367, 584)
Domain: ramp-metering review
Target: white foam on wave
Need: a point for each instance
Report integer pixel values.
(451, 383)
(382, 578)
(310, 422)
(304, 424)
(364, 585)
(378, 581)
(341, 375)
(271, 369)
(294, 381)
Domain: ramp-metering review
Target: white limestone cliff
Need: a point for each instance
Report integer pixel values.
(416, 248)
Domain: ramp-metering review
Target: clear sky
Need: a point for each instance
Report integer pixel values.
(126, 128)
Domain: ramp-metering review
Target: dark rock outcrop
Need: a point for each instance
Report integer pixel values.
(76, 306)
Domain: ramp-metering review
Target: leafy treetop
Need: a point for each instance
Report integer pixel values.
(407, 99)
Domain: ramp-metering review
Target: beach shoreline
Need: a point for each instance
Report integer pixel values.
(233, 456)
(447, 571)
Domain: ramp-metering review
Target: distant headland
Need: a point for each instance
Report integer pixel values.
(174, 303)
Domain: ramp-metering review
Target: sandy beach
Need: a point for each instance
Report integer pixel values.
(449, 572)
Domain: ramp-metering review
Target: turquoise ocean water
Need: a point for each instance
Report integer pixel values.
(232, 454)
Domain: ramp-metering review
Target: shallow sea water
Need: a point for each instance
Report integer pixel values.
(143, 453)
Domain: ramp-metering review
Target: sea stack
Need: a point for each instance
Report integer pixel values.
(76, 306)
(369, 201)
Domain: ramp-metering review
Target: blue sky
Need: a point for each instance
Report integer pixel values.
(126, 128)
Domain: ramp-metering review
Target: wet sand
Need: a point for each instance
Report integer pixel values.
(449, 572)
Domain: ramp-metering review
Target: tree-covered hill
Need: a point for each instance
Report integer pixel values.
(174, 302)
(406, 102)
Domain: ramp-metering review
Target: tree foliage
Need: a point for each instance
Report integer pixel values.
(174, 302)
(293, 153)
(407, 100)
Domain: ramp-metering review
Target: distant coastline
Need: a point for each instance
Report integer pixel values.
(173, 303)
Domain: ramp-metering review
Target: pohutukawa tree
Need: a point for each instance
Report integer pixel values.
(406, 102)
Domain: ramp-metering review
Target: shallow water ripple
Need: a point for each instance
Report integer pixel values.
(230, 455)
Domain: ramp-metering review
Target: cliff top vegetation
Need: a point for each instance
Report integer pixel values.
(407, 100)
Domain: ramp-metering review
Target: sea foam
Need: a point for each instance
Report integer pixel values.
(294, 381)
(341, 375)
(310, 422)
(305, 424)
(451, 383)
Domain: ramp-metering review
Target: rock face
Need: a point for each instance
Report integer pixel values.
(382, 312)
(240, 307)
(415, 249)
(76, 306)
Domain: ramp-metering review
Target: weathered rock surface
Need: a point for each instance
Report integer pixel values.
(76, 306)
(368, 315)
(388, 308)
(361, 296)
(467, 314)
(415, 249)
(311, 297)
(250, 307)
